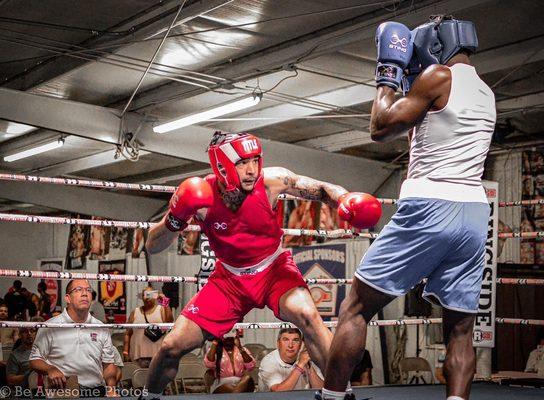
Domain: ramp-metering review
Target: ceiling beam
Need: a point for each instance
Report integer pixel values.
(101, 123)
(167, 174)
(506, 57)
(521, 102)
(338, 98)
(172, 178)
(80, 164)
(305, 47)
(143, 27)
(503, 58)
(338, 141)
(82, 200)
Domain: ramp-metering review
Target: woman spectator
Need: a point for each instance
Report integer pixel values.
(227, 362)
(138, 346)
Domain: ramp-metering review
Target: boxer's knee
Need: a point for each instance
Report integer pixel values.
(308, 318)
(170, 349)
(174, 346)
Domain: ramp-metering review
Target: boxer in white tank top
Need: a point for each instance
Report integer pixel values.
(440, 227)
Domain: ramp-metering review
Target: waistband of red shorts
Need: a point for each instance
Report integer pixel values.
(254, 269)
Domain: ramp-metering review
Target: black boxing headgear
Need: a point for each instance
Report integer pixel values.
(437, 41)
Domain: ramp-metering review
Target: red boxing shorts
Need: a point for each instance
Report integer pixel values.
(227, 298)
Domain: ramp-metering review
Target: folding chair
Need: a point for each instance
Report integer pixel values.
(139, 378)
(418, 365)
(126, 374)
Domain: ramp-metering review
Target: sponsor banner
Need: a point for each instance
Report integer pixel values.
(207, 260)
(329, 262)
(112, 294)
(484, 326)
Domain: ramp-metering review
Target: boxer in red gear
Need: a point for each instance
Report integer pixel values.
(235, 209)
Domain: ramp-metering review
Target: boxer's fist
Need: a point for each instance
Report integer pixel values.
(412, 71)
(394, 46)
(191, 195)
(361, 210)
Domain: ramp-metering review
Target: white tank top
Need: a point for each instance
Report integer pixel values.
(140, 345)
(448, 148)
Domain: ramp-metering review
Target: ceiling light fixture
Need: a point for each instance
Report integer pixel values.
(35, 150)
(240, 104)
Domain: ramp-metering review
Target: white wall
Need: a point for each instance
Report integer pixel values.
(22, 244)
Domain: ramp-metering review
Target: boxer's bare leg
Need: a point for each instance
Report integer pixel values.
(184, 337)
(245, 385)
(460, 364)
(298, 307)
(348, 344)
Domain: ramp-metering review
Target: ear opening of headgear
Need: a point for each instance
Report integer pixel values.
(438, 40)
(226, 149)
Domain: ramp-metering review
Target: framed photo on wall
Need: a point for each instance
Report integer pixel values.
(54, 287)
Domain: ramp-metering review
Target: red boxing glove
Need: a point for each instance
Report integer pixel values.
(361, 210)
(191, 195)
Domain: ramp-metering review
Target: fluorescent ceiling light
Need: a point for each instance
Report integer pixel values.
(240, 104)
(15, 128)
(34, 150)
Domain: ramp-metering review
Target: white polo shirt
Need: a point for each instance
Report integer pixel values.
(75, 351)
(274, 370)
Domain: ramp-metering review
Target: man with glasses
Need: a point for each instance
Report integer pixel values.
(88, 354)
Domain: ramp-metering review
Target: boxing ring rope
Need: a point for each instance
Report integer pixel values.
(334, 234)
(172, 189)
(523, 235)
(254, 325)
(22, 273)
(241, 325)
(339, 233)
(521, 203)
(520, 281)
(119, 185)
(88, 183)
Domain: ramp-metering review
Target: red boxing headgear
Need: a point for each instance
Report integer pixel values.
(226, 150)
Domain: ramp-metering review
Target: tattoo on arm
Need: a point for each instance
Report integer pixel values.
(312, 189)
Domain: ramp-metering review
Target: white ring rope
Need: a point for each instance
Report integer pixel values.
(522, 235)
(243, 325)
(533, 202)
(38, 219)
(334, 234)
(27, 273)
(253, 325)
(119, 185)
(172, 189)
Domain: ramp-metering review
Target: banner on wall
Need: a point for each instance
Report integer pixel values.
(99, 245)
(78, 246)
(119, 243)
(112, 294)
(207, 260)
(484, 326)
(54, 287)
(323, 262)
(532, 217)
